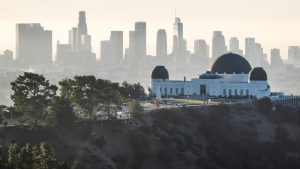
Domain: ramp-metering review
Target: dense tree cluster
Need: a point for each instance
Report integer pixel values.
(29, 157)
(37, 100)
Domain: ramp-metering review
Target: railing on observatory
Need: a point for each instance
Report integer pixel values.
(287, 101)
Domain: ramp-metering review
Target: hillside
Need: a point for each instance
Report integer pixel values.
(214, 137)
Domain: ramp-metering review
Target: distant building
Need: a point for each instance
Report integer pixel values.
(6, 60)
(137, 51)
(294, 55)
(78, 51)
(179, 44)
(116, 40)
(161, 44)
(106, 52)
(249, 48)
(234, 46)
(218, 45)
(276, 59)
(201, 53)
(254, 53)
(33, 45)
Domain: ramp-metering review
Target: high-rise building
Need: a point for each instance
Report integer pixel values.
(79, 49)
(276, 58)
(249, 48)
(234, 46)
(294, 55)
(106, 52)
(116, 39)
(137, 50)
(218, 45)
(161, 44)
(82, 26)
(73, 38)
(179, 52)
(140, 40)
(112, 50)
(33, 45)
(201, 53)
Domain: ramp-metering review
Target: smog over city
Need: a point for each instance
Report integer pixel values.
(149, 84)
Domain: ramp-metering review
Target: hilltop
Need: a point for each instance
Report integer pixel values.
(213, 137)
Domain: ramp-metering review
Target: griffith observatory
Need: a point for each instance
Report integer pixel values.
(230, 75)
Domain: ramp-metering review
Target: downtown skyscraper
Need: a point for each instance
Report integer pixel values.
(161, 45)
(112, 50)
(78, 51)
(33, 45)
(137, 50)
(218, 45)
(234, 46)
(179, 44)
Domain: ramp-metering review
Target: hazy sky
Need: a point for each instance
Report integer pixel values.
(274, 23)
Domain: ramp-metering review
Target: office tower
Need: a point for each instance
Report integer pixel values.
(78, 51)
(33, 45)
(161, 44)
(140, 41)
(106, 52)
(136, 53)
(259, 58)
(249, 48)
(201, 53)
(234, 46)
(73, 38)
(294, 55)
(82, 26)
(276, 58)
(218, 45)
(116, 40)
(112, 50)
(63, 54)
(179, 53)
(130, 51)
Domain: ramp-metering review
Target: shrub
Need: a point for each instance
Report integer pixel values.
(264, 105)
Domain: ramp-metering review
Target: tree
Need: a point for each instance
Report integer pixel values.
(13, 158)
(82, 92)
(2, 158)
(46, 158)
(265, 105)
(87, 93)
(32, 94)
(27, 156)
(132, 91)
(111, 100)
(62, 112)
(135, 108)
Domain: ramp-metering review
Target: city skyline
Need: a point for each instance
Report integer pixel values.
(261, 20)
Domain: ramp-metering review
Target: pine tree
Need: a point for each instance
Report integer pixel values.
(46, 158)
(13, 157)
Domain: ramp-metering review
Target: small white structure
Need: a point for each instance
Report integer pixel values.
(231, 75)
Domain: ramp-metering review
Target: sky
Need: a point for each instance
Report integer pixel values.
(274, 23)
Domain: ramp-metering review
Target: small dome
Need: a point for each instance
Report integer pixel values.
(209, 75)
(231, 64)
(258, 74)
(160, 72)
